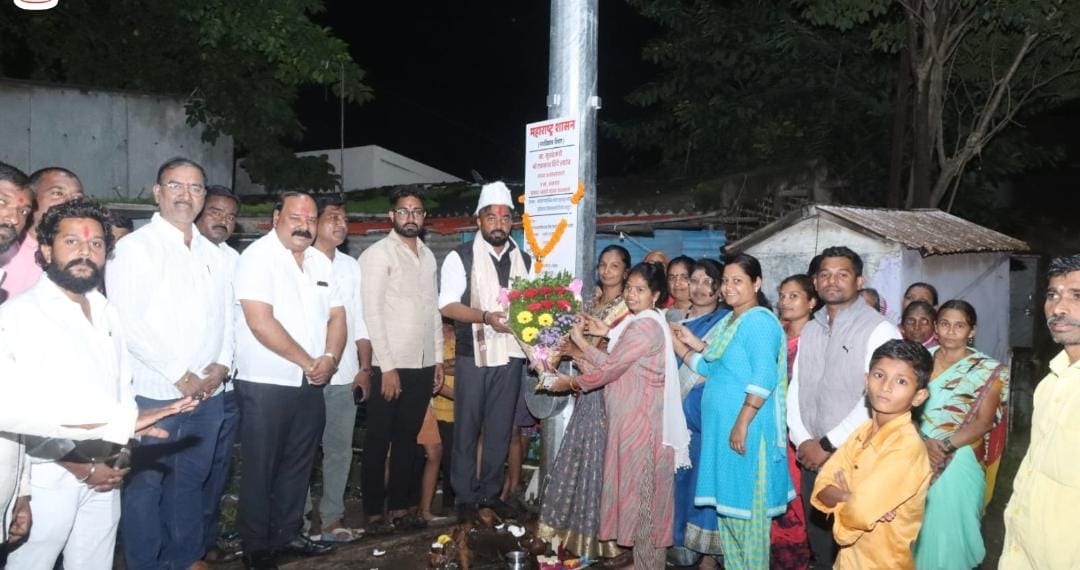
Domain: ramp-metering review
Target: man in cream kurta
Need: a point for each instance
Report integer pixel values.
(1041, 518)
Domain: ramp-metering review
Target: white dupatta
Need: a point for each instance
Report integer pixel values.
(676, 435)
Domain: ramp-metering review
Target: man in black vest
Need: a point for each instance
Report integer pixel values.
(488, 365)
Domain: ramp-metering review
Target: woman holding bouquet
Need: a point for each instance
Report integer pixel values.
(742, 472)
(570, 508)
(647, 437)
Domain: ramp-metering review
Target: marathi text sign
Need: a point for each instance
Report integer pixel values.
(551, 181)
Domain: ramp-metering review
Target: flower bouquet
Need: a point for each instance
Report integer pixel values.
(540, 312)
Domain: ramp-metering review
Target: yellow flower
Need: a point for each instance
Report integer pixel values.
(529, 334)
(525, 317)
(545, 320)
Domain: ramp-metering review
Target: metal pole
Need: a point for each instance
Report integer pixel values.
(572, 92)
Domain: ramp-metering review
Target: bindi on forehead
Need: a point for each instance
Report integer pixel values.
(85, 232)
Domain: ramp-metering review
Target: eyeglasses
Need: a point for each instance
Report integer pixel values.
(407, 213)
(178, 187)
(675, 278)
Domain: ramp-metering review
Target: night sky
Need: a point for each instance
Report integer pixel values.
(455, 82)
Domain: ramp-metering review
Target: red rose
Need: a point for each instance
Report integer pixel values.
(514, 295)
(547, 305)
(545, 290)
(534, 307)
(564, 305)
(530, 293)
(560, 289)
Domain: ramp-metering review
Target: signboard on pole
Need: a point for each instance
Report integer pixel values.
(552, 192)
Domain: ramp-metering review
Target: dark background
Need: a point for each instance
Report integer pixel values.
(456, 82)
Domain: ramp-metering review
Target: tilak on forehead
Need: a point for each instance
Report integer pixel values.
(85, 231)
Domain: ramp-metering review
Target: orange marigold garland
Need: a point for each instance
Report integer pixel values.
(539, 253)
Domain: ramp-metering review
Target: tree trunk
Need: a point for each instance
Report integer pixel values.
(895, 192)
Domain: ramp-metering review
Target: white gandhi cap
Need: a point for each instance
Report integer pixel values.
(494, 194)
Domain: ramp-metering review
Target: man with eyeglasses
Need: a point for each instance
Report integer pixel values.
(51, 185)
(170, 285)
(487, 370)
(216, 222)
(400, 297)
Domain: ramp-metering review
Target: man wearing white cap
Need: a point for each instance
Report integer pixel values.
(488, 362)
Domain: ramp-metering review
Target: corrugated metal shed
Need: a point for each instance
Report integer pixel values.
(930, 231)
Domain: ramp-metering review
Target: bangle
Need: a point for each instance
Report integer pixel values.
(483, 317)
(89, 474)
(686, 355)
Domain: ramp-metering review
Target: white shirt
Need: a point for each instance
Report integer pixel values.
(452, 282)
(797, 431)
(301, 300)
(175, 304)
(59, 368)
(347, 275)
(231, 257)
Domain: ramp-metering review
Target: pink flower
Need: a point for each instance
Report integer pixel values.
(575, 288)
(504, 296)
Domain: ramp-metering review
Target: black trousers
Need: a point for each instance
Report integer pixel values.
(280, 429)
(484, 403)
(446, 434)
(394, 423)
(818, 527)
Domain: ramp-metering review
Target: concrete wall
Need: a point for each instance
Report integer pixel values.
(789, 251)
(114, 141)
(981, 279)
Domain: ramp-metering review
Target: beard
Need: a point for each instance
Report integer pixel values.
(408, 229)
(9, 236)
(497, 238)
(71, 282)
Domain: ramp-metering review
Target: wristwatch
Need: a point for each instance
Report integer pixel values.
(949, 447)
(826, 444)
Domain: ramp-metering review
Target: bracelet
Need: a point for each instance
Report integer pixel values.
(949, 447)
(332, 357)
(686, 354)
(89, 474)
(749, 405)
(483, 317)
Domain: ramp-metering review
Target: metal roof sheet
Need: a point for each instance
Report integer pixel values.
(931, 231)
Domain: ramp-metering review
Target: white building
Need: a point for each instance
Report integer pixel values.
(369, 166)
(961, 259)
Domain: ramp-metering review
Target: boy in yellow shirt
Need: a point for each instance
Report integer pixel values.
(875, 485)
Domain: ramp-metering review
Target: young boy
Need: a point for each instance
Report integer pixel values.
(875, 485)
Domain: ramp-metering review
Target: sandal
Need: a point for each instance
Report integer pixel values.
(379, 528)
(410, 522)
(342, 535)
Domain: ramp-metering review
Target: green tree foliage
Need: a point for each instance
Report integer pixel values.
(749, 83)
(239, 65)
(976, 68)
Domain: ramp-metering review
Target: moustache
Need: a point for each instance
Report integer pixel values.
(1062, 319)
(222, 228)
(303, 234)
(80, 261)
(184, 202)
(7, 227)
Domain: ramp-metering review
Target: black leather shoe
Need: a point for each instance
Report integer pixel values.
(260, 560)
(500, 507)
(304, 546)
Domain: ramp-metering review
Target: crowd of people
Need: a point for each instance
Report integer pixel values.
(706, 423)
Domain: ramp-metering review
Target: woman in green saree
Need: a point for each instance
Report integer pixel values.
(963, 424)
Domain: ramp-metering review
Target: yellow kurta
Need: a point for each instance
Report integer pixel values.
(1041, 519)
(888, 473)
